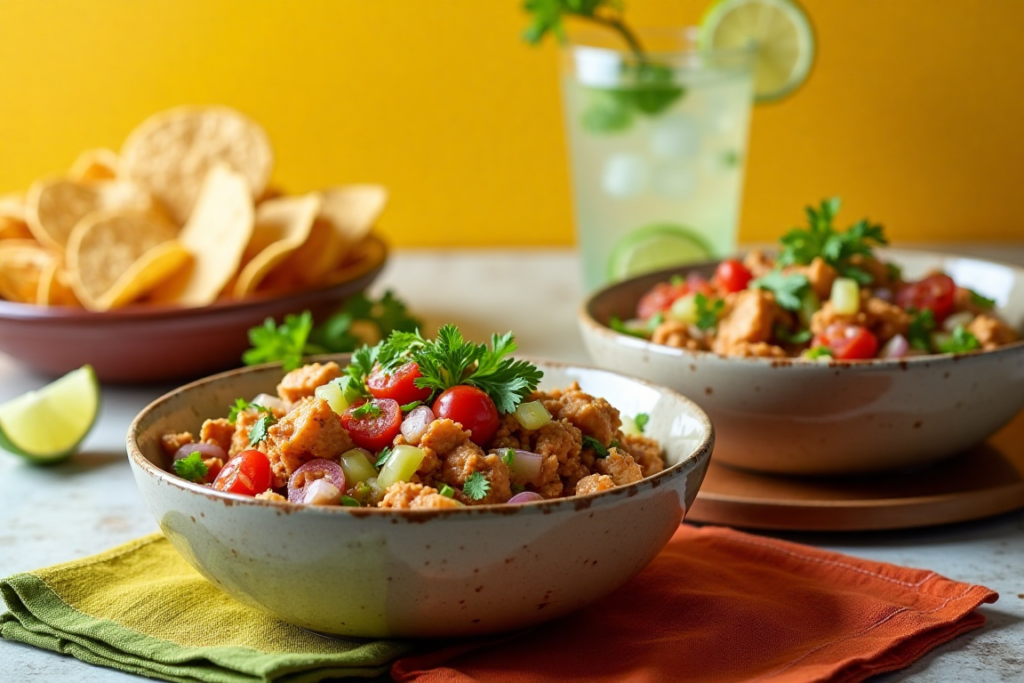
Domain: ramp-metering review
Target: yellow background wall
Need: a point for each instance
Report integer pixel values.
(914, 113)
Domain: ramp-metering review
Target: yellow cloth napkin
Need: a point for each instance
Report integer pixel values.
(140, 608)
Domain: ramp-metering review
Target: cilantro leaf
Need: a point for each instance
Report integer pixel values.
(395, 351)
(192, 468)
(981, 301)
(241, 405)
(259, 429)
(285, 343)
(508, 456)
(447, 491)
(383, 457)
(919, 333)
(349, 501)
(641, 330)
(411, 406)
(477, 486)
(708, 312)
(450, 360)
(340, 333)
(820, 239)
(818, 352)
(368, 409)
(796, 337)
(599, 450)
(641, 421)
(960, 341)
(788, 289)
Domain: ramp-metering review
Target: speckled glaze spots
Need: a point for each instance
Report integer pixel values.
(422, 573)
(792, 416)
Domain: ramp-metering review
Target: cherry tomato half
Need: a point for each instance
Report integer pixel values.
(470, 407)
(935, 293)
(660, 298)
(377, 429)
(399, 385)
(246, 474)
(732, 276)
(848, 342)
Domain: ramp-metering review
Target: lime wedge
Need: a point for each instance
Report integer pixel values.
(655, 247)
(778, 29)
(47, 425)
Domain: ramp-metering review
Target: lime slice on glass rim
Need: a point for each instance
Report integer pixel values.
(780, 32)
(47, 425)
(655, 247)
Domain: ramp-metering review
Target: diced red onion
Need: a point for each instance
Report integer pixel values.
(312, 471)
(525, 497)
(268, 401)
(884, 293)
(527, 465)
(206, 450)
(962, 318)
(415, 424)
(897, 347)
(321, 492)
(695, 282)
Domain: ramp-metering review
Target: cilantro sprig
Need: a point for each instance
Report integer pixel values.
(789, 290)
(368, 409)
(241, 405)
(192, 468)
(599, 449)
(708, 311)
(641, 421)
(296, 336)
(919, 332)
(959, 341)
(982, 302)
(818, 352)
(477, 486)
(259, 429)
(450, 360)
(800, 246)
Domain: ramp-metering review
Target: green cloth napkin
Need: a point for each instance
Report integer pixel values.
(141, 609)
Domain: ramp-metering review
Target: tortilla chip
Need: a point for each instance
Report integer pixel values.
(95, 164)
(282, 227)
(216, 234)
(22, 264)
(353, 210)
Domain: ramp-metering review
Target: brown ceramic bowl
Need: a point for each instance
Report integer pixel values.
(139, 344)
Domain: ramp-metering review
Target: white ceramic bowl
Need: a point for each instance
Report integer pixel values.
(422, 573)
(812, 418)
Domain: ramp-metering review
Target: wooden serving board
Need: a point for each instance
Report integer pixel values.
(985, 481)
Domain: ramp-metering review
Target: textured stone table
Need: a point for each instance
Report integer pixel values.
(90, 503)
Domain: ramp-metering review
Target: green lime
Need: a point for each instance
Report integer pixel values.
(47, 425)
(778, 29)
(655, 247)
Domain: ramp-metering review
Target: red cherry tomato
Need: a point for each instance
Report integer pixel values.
(399, 385)
(471, 408)
(660, 299)
(848, 342)
(213, 471)
(935, 293)
(732, 276)
(246, 474)
(374, 431)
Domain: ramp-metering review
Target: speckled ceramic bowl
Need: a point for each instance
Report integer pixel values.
(422, 573)
(813, 418)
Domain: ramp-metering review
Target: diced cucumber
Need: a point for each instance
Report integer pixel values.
(356, 467)
(402, 464)
(684, 309)
(532, 415)
(334, 396)
(845, 296)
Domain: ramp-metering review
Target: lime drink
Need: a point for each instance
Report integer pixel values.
(657, 155)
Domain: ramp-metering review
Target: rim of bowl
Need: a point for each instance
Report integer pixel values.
(702, 450)
(368, 266)
(586, 317)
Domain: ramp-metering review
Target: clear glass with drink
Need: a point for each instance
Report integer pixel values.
(657, 143)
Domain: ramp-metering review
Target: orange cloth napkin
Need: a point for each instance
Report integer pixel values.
(719, 606)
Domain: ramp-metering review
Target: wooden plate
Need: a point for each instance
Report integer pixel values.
(985, 481)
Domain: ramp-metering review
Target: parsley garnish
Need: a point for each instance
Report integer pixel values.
(981, 301)
(788, 289)
(919, 332)
(477, 486)
(450, 360)
(599, 450)
(447, 491)
(349, 501)
(508, 456)
(192, 468)
(383, 457)
(259, 429)
(819, 352)
(241, 405)
(820, 239)
(641, 421)
(368, 409)
(296, 337)
(411, 406)
(708, 312)
(960, 341)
